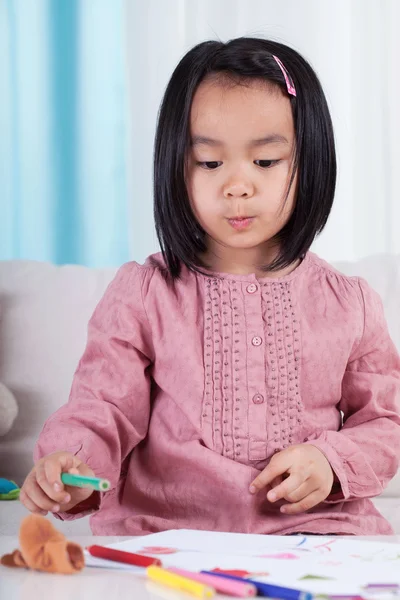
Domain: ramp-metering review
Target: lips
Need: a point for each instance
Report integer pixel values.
(240, 223)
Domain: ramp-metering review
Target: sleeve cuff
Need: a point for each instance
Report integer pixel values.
(340, 489)
(87, 507)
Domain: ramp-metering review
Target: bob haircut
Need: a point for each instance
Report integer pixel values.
(181, 238)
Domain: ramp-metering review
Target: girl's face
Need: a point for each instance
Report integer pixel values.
(240, 164)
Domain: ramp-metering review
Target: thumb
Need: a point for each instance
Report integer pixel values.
(276, 468)
(54, 465)
(69, 461)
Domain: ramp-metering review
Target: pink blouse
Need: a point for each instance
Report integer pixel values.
(185, 391)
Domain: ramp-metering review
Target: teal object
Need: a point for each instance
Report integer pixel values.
(8, 490)
(101, 485)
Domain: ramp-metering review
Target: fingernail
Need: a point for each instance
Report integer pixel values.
(67, 498)
(271, 496)
(56, 508)
(253, 489)
(283, 509)
(57, 487)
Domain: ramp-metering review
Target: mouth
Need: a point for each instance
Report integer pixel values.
(240, 223)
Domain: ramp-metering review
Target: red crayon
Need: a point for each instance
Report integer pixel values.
(128, 558)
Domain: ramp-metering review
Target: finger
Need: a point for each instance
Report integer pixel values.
(28, 485)
(306, 504)
(38, 496)
(43, 482)
(304, 490)
(275, 482)
(54, 469)
(288, 487)
(45, 474)
(277, 466)
(30, 505)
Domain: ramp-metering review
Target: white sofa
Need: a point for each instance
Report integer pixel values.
(44, 311)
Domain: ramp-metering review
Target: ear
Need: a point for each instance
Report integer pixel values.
(75, 555)
(13, 560)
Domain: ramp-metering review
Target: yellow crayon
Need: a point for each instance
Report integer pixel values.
(178, 582)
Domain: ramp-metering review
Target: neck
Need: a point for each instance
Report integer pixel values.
(244, 261)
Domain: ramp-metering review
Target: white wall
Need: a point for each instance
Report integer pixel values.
(355, 49)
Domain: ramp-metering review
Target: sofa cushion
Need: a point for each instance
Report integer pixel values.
(44, 315)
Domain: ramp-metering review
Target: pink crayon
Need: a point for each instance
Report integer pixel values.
(220, 584)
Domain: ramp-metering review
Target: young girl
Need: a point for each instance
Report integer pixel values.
(235, 382)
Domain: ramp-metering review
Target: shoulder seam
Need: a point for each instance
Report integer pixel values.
(327, 268)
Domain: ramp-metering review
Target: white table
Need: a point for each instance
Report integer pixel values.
(90, 584)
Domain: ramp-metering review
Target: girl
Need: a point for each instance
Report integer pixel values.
(235, 382)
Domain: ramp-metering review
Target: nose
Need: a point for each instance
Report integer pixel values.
(238, 189)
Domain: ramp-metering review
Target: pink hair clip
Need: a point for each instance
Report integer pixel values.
(289, 84)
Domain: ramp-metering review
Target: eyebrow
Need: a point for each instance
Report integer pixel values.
(274, 138)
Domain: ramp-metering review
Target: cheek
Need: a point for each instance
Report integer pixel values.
(193, 186)
(199, 183)
(280, 202)
(202, 194)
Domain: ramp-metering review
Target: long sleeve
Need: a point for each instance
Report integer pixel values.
(108, 410)
(364, 454)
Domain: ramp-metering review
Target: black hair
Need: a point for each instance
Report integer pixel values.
(181, 237)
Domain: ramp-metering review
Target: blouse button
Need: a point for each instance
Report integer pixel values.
(258, 399)
(252, 288)
(256, 341)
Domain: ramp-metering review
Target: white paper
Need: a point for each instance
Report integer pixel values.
(283, 560)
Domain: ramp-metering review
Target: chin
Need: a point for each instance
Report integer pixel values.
(243, 245)
(246, 240)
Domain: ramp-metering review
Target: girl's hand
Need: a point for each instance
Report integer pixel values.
(300, 474)
(43, 489)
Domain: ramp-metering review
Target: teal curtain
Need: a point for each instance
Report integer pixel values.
(63, 132)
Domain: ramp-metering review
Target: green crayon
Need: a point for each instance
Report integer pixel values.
(94, 483)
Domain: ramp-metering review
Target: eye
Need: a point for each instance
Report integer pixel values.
(210, 165)
(266, 164)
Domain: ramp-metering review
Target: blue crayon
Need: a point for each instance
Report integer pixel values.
(267, 589)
